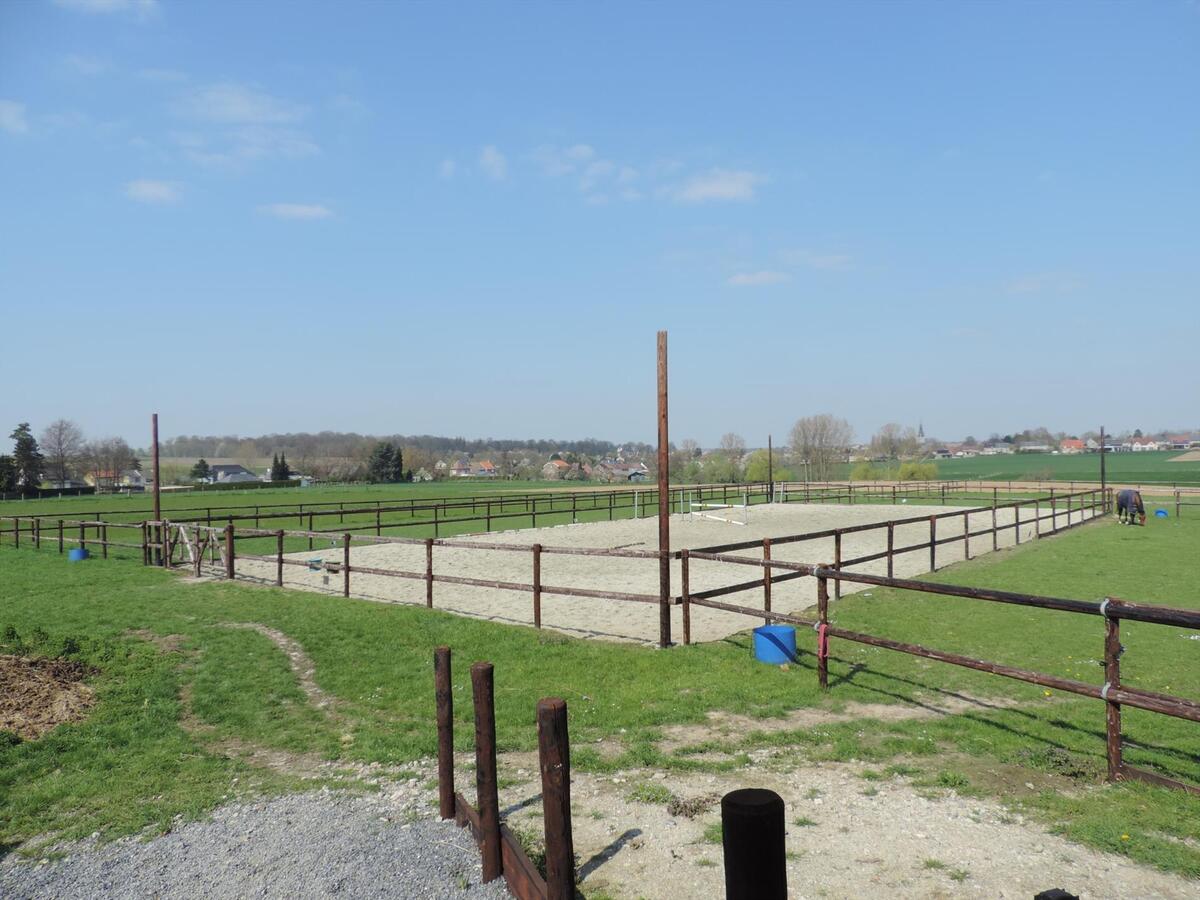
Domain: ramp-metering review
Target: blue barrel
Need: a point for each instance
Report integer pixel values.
(775, 644)
(77, 554)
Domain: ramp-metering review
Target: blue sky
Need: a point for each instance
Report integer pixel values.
(471, 218)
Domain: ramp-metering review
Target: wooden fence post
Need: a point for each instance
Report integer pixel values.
(279, 558)
(537, 585)
(229, 571)
(823, 619)
(966, 535)
(837, 562)
(104, 541)
(752, 829)
(1053, 511)
(310, 528)
(487, 798)
(687, 596)
(83, 536)
(554, 756)
(767, 582)
(995, 530)
(444, 697)
(345, 565)
(891, 546)
(1017, 520)
(429, 572)
(60, 535)
(933, 543)
(1112, 681)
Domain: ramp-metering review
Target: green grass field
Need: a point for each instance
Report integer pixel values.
(1131, 468)
(132, 764)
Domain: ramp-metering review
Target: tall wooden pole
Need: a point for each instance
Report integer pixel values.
(157, 484)
(770, 471)
(664, 501)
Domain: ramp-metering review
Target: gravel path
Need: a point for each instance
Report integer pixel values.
(310, 845)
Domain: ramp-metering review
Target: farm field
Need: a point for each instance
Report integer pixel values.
(195, 712)
(1151, 467)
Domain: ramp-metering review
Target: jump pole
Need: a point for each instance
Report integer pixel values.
(770, 472)
(664, 502)
(1102, 479)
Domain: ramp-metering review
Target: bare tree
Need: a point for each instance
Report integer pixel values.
(821, 441)
(107, 459)
(887, 440)
(62, 443)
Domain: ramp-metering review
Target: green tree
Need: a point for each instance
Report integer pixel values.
(397, 473)
(282, 471)
(27, 459)
(8, 475)
(380, 465)
(201, 470)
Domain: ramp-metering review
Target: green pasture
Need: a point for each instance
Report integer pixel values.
(1152, 467)
(132, 764)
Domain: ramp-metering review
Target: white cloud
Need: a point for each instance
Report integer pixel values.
(12, 117)
(298, 211)
(558, 161)
(235, 124)
(447, 169)
(139, 8)
(87, 66)
(146, 190)
(719, 184)
(758, 279)
(813, 259)
(1046, 283)
(493, 163)
(229, 103)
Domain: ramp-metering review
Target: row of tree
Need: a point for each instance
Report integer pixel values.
(61, 455)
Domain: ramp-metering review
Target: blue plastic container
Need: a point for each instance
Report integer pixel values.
(77, 554)
(775, 644)
(1161, 513)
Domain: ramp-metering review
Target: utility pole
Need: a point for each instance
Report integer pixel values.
(664, 501)
(1102, 452)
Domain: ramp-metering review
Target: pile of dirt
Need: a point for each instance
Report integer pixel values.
(38, 694)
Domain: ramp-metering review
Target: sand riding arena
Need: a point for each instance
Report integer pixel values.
(602, 579)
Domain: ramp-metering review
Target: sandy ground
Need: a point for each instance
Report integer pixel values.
(633, 621)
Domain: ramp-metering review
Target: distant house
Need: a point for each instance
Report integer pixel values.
(485, 469)
(1033, 448)
(422, 474)
(618, 472)
(1142, 444)
(225, 473)
(1071, 445)
(54, 484)
(461, 469)
(556, 469)
(129, 480)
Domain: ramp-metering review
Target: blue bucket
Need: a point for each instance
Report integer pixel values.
(775, 644)
(1161, 513)
(77, 554)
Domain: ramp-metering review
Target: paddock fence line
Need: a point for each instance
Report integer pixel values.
(1113, 692)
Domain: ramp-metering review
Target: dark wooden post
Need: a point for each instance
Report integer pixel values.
(145, 541)
(345, 565)
(197, 553)
(1017, 520)
(554, 755)
(752, 830)
(823, 619)
(157, 483)
(83, 535)
(37, 529)
(487, 797)
(995, 530)
(16, 532)
(837, 562)
(377, 526)
(1112, 681)
(966, 535)
(664, 500)
(1037, 517)
(229, 551)
(891, 538)
(444, 697)
(537, 585)
(104, 540)
(767, 582)
(310, 528)
(279, 558)
(429, 572)
(687, 597)
(933, 543)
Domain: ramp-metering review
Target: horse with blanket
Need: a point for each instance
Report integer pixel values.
(1129, 503)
